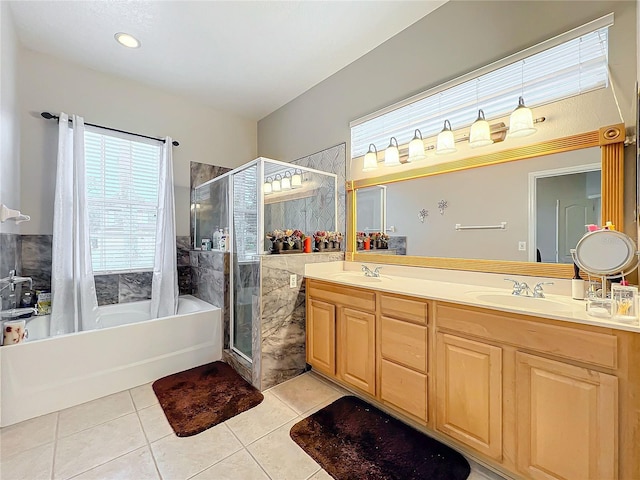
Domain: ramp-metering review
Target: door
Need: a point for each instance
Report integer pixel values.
(321, 336)
(566, 420)
(469, 393)
(357, 349)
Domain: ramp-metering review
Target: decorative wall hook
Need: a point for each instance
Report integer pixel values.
(442, 204)
(423, 214)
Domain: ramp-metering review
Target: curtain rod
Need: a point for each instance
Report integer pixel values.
(50, 116)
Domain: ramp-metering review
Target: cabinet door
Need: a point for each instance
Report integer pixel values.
(469, 393)
(356, 349)
(566, 420)
(321, 336)
(404, 389)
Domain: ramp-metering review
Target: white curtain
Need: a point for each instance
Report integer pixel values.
(164, 290)
(74, 302)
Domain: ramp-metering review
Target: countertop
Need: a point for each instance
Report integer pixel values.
(553, 306)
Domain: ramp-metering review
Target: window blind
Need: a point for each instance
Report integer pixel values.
(245, 213)
(122, 192)
(570, 68)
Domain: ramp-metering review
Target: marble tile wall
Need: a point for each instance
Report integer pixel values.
(282, 323)
(10, 253)
(201, 173)
(398, 243)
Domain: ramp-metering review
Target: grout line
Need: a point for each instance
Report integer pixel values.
(103, 463)
(222, 459)
(247, 450)
(313, 473)
(146, 438)
(55, 445)
(259, 464)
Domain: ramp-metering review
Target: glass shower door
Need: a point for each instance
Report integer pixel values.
(245, 264)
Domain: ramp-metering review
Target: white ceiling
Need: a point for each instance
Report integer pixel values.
(246, 57)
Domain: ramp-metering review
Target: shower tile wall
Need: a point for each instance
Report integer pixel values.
(282, 323)
(10, 252)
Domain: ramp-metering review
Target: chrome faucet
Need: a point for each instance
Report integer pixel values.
(12, 281)
(537, 290)
(369, 273)
(519, 288)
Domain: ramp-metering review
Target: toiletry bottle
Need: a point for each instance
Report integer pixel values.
(577, 284)
(223, 239)
(215, 238)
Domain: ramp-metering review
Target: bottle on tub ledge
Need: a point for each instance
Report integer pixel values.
(224, 240)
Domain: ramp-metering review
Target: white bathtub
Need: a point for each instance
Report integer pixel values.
(44, 374)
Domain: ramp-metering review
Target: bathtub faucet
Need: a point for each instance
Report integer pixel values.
(12, 281)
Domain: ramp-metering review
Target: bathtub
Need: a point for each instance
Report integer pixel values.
(46, 374)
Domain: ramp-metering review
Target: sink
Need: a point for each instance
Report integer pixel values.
(508, 300)
(357, 277)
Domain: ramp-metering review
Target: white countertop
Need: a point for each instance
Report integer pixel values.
(465, 288)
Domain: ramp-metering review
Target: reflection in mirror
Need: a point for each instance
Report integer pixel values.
(371, 209)
(480, 201)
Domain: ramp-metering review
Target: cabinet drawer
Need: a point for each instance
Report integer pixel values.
(404, 343)
(404, 389)
(337, 294)
(403, 308)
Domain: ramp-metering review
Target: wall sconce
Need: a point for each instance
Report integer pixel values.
(480, 134)
(286, 181)
(267, 186)
(296, 179)
(416, 148)
(276, 185)
(446, 142)
(521, 121)
(392, 154)
(370, 159)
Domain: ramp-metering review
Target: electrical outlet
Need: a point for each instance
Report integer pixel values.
(293, 280)
(522, 246)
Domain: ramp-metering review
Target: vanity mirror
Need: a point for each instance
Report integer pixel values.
(521, 212)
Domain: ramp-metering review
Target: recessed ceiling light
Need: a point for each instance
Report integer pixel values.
(127, 40)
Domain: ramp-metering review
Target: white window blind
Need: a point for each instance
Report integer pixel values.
(122, 190)
(570, 68)
(245, 213)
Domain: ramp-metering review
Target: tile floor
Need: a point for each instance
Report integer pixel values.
(126, 436)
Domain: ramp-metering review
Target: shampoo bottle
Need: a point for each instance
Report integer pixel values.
(577, 284)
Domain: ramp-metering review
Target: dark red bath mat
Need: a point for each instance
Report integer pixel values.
(353, 440)
(204, 396)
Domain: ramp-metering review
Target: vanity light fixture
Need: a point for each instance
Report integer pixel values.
(276, 185)
(296, 179)
(480, 134)
(127, 40)
(370, 159)
(286, 181)
(392, 154)
(416, 148)
(267, 186)
(446, 142)
(521, 121)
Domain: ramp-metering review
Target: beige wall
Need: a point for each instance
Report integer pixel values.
(50, 84)
(455, 39)
(9, 119)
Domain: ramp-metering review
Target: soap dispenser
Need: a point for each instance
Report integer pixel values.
(577, 284)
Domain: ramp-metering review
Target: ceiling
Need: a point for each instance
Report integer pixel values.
(245, 57)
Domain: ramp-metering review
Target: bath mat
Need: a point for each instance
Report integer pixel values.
(352, 440)
(204, 396)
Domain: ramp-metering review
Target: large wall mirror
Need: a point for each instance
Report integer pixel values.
(516, 211)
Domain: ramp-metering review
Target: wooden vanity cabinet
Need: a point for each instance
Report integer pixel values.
(356, 349)
(321, 336)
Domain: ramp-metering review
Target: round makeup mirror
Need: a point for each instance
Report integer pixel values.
(605, 253)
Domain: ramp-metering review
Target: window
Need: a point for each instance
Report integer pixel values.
(554, 72)
(122, 190)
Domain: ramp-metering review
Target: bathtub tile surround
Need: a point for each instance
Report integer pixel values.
(10, 251)
(135, 287)
(263, 430)
(398, 243)
(282, 322)
(183, 247)
(107, 289)
(36, 260)
(184, 280)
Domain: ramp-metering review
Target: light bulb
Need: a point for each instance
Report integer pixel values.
(416, 148)
(521, 121)
(286, 181)
(392, 154)
(446, 142)
(275, 185)
(370, 159)
(296, 179)
(267, 186)
(480, 134)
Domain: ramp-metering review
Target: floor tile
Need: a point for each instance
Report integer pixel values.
(28, 434)
(239, 466)
(90, 414)
(272, 450)
(321, 475)
(154, 423)
(35, 463)
(89, 448)
(258, 421)
(180, 458)
(136, 465)
(303, 392)
(327, 401)
(144, 396)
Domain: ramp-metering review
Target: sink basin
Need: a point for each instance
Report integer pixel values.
(357, 277)
(508, 300)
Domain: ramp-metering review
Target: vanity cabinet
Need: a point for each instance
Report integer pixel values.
(536, 398)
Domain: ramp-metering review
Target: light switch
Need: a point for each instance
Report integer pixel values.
(522, 246)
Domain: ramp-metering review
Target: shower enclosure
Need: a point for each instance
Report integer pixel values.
(248, 202)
